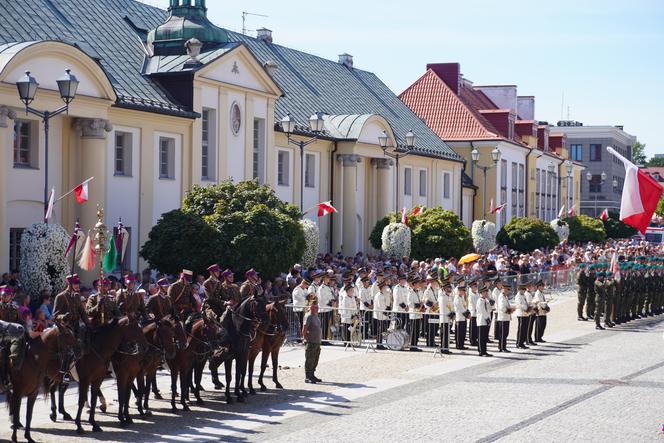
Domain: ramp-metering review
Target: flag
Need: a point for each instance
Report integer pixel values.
(490, 206)
(604, 215)
(88, 258)
(49, 207)
(111, 257)
(81, 192)
(418, 210)
(404, 217)
(561, 212)
(497, 209)
(326, 208)
(571, 211)
(121, 240)
(615, 268)
(74, 237)
(640, 195)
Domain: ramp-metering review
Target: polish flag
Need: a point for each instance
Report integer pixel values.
(326, 208)
(497, 209)
(604, 215)
(81, 192)
(561, 212)
(418, 210)
(640, 195)
(404, 217)
(571, 211)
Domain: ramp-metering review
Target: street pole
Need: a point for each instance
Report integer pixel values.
(485, 193)
(301, 176)
(396, 192)
(47, 117)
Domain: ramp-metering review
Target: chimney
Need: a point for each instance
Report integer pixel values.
(450, 73)
(271, 67)
(346, 60)
(525, 107)
(264, 34)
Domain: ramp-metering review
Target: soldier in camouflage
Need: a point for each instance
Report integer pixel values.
(12, 337)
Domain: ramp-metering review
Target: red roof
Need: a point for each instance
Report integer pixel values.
(654, 171)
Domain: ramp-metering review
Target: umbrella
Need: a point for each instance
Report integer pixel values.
(469, 258)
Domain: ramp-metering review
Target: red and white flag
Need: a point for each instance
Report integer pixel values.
(49, 206)
(604, 215)
(640, 195)
(615, 268)
(81, 192)
(418, 210)
(561, 212)
(404, 217)
(326, 208)
(497, 209)
(571, 211)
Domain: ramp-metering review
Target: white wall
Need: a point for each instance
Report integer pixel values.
(312, 195)
(511, 154)
(234, 71)
(167, 192)
(361, 187)
(235, 143)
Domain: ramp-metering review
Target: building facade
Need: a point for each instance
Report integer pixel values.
(158, 112)
(604, 176)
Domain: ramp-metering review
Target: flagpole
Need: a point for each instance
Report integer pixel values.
(73, 255)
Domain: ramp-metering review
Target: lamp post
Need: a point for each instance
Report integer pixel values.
(475, 157)
(570, 172)
(589, 177)
(399, 152)
(316, 126)
(27, 89)
(615, 189)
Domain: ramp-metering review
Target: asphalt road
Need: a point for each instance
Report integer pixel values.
(582, 385)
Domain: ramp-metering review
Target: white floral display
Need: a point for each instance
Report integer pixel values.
(484, 236)
(311, 242)
(43, 262)
(561, 228)
(396, 240)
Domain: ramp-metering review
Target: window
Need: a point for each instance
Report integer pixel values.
(423, 183)
(538, 179)
(595, 185)
(446, 185)
(576, 152)
(514, 184)
(166, 158)
(522, 190)
(310, 171)
(123, 148)
(407, 181)
(15, 247)
(283, 166)
(24, 141)
(503, 174)
(503, 191)
(259, 150)
(595, 153)
(208, 144)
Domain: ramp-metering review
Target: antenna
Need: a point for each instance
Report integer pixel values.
(568, 112)
(562, 105)
(244, 20)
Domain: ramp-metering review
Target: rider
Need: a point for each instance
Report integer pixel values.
(130, 302)
(181, 295)
(251, 285)
(230, 292)
(214, 296)
(102, 307)
(68, 308)
(159, 304)
(12, 337)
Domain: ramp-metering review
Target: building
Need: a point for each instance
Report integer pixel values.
(656, 172)
(531, 177)
(605, 175)
(167, 100)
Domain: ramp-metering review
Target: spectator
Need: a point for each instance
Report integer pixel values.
(312, 334)
(45, 307)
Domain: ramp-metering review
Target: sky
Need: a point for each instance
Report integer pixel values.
(597, 62)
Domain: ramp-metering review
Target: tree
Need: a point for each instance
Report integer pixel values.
(639, 153)
(655, 162)
(527, 234)
(375, 238)
(614, 228)
(437, 232)
(583, 228)
(181, 240)
(660, 207)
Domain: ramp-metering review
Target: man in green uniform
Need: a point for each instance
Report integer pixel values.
(600, 298)
(182, 297)
(213, 307)
(12, 337)
(130, 302)
(609, 303)
(590, 299)
(230, 292)
(582, 291)
(101, 307)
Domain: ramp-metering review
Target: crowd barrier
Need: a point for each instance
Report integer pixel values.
(373, 329)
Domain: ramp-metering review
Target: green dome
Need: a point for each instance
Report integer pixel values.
(184, 22)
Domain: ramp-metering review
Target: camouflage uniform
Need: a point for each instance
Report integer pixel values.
(582, 282)
(600, 298)
(12, 337)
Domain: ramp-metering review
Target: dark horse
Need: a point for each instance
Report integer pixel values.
(161, 341)
(48, 357)
(239, 325)
(269, 339)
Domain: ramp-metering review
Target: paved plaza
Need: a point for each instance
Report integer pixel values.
(582, 385)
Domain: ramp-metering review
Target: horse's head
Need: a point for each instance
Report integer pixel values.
(210, 329)
(279, 315)
(165, 335)
(133, 340)
(62, 340)
(247, 317)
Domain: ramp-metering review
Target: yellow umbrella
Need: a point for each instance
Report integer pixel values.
(469, 258)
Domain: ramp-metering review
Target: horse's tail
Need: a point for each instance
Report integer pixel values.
(46, 387)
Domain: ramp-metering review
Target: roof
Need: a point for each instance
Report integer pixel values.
(655, 170)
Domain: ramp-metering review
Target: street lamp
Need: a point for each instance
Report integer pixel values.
(570, 172)
(589, 177)
(399, 152)
(27, 89)
(316, 125)
(475, 157)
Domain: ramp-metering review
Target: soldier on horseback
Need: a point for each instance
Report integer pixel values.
(213, 306)
(69, 310)
(251, 285)
(12, 337)
(159, 305)
(130, 301)
(102, 307)
(230, 292)
(184, 303)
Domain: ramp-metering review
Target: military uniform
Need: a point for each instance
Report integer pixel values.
(600, 298)
(68, 309)
(590, 299)
(102, 309)
(131, 303)
(12, 337)
(182, 298)
(214, 301)
(582, 291)
(230, 292)
(609, 305)
(159, 306)
(248, 289)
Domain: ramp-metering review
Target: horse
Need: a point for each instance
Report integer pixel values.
(48, 357)
(160, 336)
(269, 339)
(196, 346)
(127, 364)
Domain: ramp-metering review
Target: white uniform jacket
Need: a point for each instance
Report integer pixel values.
(460, 306)
(347, 306)
(539, 300)
(380, 306)
(299, 299)
(521, 305)
(430, 300)
(446, 306)
(415, 304)
(325, 298)
(472, 302)
(483, 308)
(502, 308)
(400, 298)
(365, 297)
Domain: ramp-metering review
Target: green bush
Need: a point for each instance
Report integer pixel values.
(375, 238)
(583, 228)
(181, 240)
(437, 232)
(614, 228)
(527, 234)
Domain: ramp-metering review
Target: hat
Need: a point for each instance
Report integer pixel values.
(73, 279)
(539, 283)
(227, 273)
(6, 290)
(505, 284)
(365, 279)
(362, 270)
(447, 284)
(306, 280)
(186, 274)
(483, 288)
(315, 274)
(213, 268)
(251, 273)
(522, 286)
(382, 284)
(348, 286)
(130, 278)
(163, 282)
(106, 282)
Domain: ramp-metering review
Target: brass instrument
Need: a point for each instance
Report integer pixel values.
(100, 239)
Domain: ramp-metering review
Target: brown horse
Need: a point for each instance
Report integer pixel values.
(48, 357)
(127, 364)
(269, 339)
(160, 336)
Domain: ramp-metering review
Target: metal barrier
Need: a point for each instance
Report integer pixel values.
(559, 280)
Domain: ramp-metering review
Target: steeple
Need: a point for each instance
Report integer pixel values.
(187, 19)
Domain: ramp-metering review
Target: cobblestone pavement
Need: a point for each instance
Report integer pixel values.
(582, 385)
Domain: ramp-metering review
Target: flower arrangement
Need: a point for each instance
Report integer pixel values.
(43, 262)
(311, 242)
(396, 240)
(484, 236)
(561, 227)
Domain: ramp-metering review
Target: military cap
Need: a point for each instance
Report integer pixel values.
(163, 282)
(6, 290)
(73, 279)
(213, 268)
